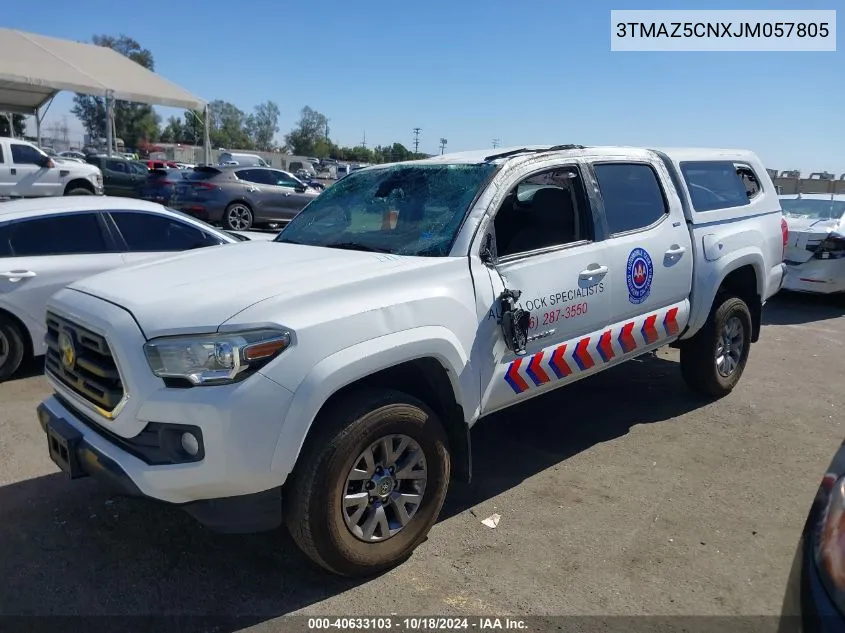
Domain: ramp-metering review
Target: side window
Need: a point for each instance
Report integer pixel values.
(116, 165)
(632, 196)
(25, 154)
(281, 179)
(145, 232)
(57, 235)
(714, 185)
(544, 210)
(5, 240)
(2, 160)
(139, 169)
(253, 175)
(750, 180)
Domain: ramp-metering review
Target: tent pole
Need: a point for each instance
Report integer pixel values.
(206, 136)
(109, 119)
(38, 126)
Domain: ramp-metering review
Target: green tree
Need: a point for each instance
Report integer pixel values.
(18, 122)
(135, 123)
(263, 124)
(308, 132)
(228, 126)
(173, 132)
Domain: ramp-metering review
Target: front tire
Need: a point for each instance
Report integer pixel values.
(12, 347)
(370, 483)
(79, 191)
(713, 360)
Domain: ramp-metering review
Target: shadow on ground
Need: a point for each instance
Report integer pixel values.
(796, 308)
(69, 547)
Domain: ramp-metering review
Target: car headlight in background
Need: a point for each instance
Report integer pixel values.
(214, 359)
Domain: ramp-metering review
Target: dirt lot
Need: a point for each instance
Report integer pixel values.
(620, 495)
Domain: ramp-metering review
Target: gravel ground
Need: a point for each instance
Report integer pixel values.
(620, 495)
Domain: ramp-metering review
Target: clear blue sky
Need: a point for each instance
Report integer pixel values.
(527, 71)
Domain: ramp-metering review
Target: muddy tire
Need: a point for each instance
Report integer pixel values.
(713, 360)
(369, 483)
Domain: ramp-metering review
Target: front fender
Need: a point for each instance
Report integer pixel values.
(709, 277)
(364, 359)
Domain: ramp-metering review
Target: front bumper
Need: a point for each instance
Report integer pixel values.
(822, 276)
(137, 447)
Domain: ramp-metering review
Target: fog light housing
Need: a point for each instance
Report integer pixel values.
(190, 444)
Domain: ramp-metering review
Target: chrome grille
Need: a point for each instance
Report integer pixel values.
(93, 372)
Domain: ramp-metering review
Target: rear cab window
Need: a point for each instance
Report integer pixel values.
(632, 196)
(716, 185)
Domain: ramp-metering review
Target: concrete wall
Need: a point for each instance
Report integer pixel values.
(808, 185)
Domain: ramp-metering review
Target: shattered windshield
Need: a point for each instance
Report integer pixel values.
(813, 209)
(404, 209)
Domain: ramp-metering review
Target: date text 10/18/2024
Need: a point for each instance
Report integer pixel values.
(397, 623)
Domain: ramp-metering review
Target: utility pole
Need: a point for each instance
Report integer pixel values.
(496, 142)
(442, 145)
(417, 131)
(364, 142)
(327, 130)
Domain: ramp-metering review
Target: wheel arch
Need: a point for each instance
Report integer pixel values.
(743, 275)
(79, 183)
(429, 365)
(29, 348)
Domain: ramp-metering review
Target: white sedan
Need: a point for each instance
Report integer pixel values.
(815, 252)
(48, 243)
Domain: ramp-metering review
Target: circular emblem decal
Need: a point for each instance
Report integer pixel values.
(67, 349)
(639, 273)
(386, 487)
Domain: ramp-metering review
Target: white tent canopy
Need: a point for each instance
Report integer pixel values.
(34, 68)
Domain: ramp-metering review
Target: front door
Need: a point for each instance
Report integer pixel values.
(546, 249)
(47, 253)
(29, 175)
(650, 256)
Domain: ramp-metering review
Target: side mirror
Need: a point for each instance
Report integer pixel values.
(515, 322)
(47, 162)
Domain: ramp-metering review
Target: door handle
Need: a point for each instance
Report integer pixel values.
(676, 249)
(14, 171)
(17, 275)
(594, 270)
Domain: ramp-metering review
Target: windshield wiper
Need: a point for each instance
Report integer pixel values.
(355, 246)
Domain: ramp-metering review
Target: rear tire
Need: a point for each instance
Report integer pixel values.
(713, 360)
(12, 347)
(317, 508)
(79, 191)
(238, 217)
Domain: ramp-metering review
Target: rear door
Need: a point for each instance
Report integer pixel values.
(117, 179)
(39, 256)
(649, 253)
(30, 177)
(145, 236)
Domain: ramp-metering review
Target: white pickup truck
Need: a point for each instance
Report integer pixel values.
(27, 172)
(329, 379)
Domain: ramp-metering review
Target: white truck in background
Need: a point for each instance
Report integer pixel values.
(417, 298)
(27, 172)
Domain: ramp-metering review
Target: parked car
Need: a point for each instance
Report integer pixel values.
(306, 178)
(121, 176)
(46, 245)
(161, 164)
(241, 197)
(160, 183)
(73, 154)
(815, 254)
(27, 172)
(244, 160)
(814, 601)
(330, 378)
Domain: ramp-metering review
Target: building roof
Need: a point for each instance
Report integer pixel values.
(33, 68)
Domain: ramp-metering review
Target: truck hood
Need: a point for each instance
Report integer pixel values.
(199, 290)
(806, 232)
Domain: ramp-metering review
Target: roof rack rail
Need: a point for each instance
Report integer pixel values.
(523, 150)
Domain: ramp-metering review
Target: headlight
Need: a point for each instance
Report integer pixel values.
(215, 359)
